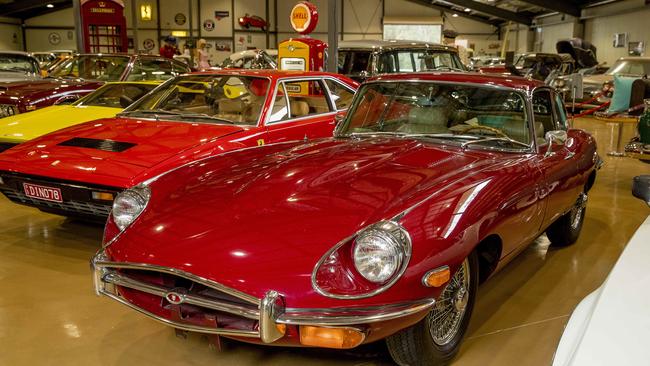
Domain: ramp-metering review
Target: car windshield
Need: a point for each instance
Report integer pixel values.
(92, 67)
(210, 98)
(258, 60)
(462, 112)
(18, 63)
(418, 60)
(118, 95)
(630, 67)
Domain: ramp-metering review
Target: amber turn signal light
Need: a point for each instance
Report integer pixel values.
(340, 338)
(103, 196)
(437, 277)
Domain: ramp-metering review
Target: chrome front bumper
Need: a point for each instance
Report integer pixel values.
(638, 150)
(270, 311)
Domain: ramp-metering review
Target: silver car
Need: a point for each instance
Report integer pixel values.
(18, 66)
(360, 60)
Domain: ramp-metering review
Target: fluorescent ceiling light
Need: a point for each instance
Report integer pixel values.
(50, 6)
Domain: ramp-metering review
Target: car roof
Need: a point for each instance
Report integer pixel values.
(21, 53)
(512, 82)
(634, 58)
(266, 73)
(391, 44)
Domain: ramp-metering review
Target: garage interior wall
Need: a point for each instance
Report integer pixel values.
(362, 19)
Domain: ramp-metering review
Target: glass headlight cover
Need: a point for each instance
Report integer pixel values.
(129, 204)
(379, 251)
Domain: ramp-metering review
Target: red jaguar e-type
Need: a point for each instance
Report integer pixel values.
(431, 184)
(78, 171)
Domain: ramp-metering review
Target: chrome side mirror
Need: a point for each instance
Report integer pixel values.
(556, 136)
(641, 188)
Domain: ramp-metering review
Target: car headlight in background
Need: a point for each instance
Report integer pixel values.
(7, 110)
(379, 251)
(129, 204)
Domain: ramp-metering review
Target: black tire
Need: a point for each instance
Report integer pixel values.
(566, 230)
(415, 346)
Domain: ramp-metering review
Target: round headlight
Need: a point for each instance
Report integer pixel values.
(129, 204)
(378, 252)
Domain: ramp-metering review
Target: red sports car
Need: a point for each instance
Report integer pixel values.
(248, 21)
(81, 74)
(78, 171)
(431, 183)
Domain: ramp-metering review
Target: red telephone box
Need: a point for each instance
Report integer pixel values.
(104, 26)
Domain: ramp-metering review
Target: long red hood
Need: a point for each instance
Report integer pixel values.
(260, 219)
(150, 147)
(35, 91)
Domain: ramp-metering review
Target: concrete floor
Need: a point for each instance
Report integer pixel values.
(49, 314)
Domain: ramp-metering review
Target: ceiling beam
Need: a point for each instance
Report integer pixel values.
(25, 5)
(566, 7)
(431, 5)
(492, 10)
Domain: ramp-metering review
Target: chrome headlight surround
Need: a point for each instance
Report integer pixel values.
(129, 204)
(392, 232)
(379, 251)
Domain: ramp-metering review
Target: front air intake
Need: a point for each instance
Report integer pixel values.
(105, 145)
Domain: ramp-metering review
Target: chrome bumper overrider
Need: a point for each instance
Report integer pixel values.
(270, 311)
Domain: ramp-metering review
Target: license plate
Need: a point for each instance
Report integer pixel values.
(42, 192)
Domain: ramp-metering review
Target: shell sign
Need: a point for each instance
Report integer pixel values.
(304, 17)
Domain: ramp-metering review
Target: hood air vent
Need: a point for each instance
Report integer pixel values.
(105, 145)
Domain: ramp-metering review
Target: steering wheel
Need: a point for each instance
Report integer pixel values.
(481, 127)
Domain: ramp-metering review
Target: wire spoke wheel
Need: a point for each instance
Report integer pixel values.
(578, 210)
(444, 320)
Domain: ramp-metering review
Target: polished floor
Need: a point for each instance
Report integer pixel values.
(49, 314)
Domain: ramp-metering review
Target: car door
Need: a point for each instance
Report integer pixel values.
(304, 109)
(556, 160)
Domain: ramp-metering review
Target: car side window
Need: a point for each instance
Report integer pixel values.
(341, 95)
(306, 98)
(561, 112)
(151, 69)
(543, 113)
(280, 110)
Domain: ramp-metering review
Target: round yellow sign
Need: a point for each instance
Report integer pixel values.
(303, 17)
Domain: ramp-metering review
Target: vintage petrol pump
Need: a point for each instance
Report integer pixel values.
(104, 26)
(303, 53)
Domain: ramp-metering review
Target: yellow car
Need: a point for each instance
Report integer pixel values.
(104, 102)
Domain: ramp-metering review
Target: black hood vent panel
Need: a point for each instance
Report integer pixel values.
(105, 145)
(6, 146)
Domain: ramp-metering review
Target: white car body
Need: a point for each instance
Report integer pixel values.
(611, 326)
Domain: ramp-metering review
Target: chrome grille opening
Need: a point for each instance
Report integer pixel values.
(72, 207)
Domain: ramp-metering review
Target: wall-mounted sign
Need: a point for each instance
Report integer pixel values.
(304, 17)
(223, 46)
(220, 14)
(145, 12)
(54, 38)
(148, 44)
(209, 25)
(180, 19)
(620, 40)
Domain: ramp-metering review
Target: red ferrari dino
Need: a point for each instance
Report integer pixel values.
(78, 171)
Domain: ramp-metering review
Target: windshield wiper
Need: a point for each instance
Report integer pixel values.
(204, 116)
(444, 67)
(487, 139)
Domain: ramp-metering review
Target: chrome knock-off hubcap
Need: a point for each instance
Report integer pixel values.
(446, 317)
